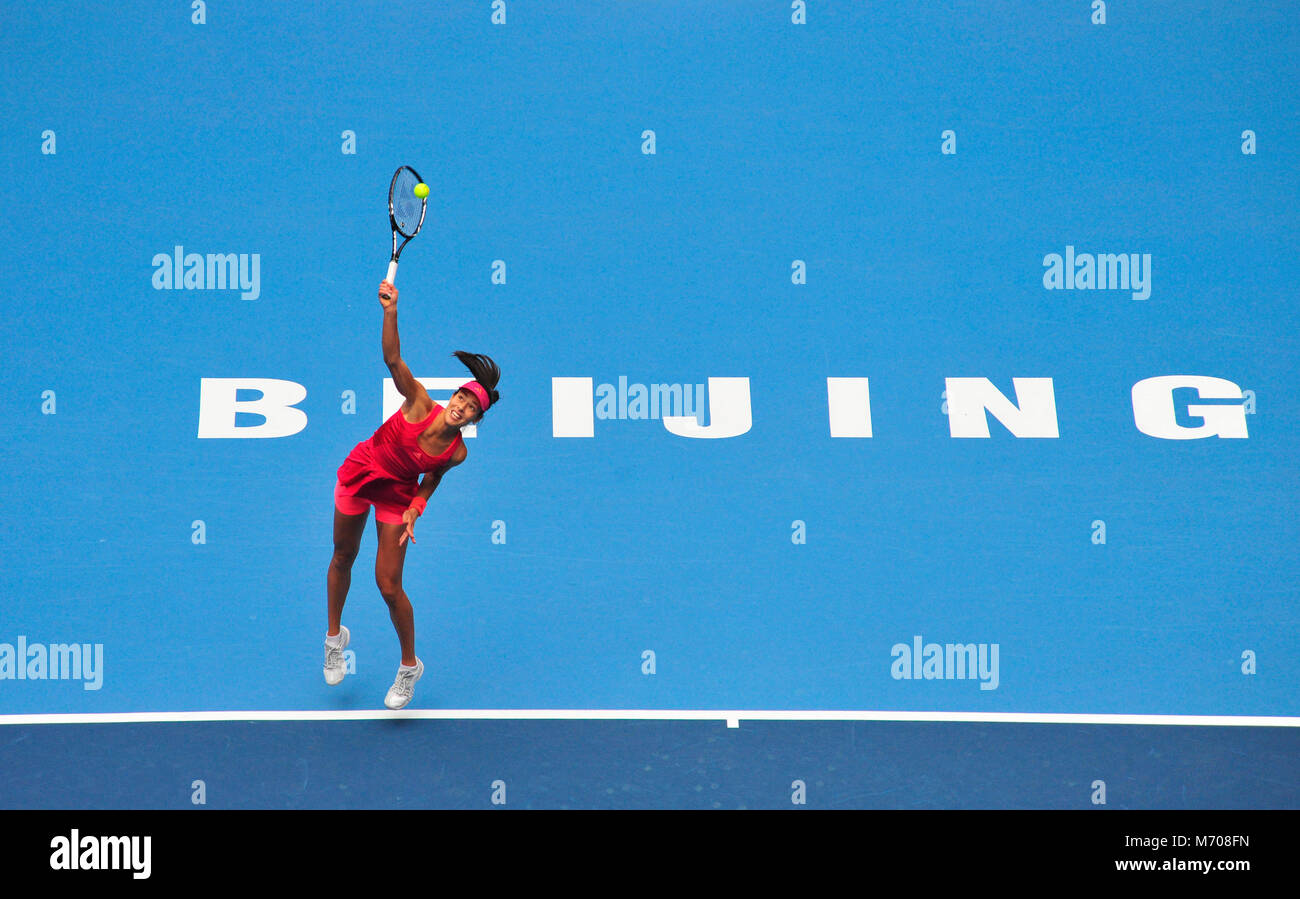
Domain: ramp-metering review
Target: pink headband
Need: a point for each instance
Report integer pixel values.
(476, 388)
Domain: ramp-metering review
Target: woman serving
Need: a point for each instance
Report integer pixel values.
(421, 438)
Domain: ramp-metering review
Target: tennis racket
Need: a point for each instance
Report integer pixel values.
(405, 213)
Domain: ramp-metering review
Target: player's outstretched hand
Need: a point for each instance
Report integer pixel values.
(408, 518)
(387, 295)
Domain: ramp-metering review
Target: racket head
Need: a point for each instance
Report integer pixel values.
(405, 209)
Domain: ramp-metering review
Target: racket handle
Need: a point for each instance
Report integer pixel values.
(392, 273)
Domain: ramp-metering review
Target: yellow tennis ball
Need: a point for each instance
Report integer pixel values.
(421, 190)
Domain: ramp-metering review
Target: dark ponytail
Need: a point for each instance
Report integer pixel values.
(484, 370)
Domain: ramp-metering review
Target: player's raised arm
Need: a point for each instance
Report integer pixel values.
(406, 384)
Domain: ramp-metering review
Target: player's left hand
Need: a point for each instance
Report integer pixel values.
(408, 518)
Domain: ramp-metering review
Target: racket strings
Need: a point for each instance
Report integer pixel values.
(408, 209)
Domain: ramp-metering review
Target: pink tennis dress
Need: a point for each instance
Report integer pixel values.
(384, 471)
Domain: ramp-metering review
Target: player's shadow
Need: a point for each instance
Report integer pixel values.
(353, 695)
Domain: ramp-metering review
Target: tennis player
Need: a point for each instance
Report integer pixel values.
(420, 438)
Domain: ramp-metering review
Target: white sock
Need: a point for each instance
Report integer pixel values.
(335, 640)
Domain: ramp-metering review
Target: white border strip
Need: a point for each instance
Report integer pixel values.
(732, 718)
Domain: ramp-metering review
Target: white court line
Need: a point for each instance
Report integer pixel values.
(732, 718)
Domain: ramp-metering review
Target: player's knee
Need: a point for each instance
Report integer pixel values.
(390, 588)
(344, 555)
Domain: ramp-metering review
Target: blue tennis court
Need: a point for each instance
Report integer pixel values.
(897, 397)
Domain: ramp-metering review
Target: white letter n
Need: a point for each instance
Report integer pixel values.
(1032, 415)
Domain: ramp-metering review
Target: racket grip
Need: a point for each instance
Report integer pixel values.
(392, 273)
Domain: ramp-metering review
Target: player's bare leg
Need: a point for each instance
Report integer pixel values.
(348, 530)
(388, 576)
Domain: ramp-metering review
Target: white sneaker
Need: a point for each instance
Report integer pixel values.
(399, 694)
(335, 666)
